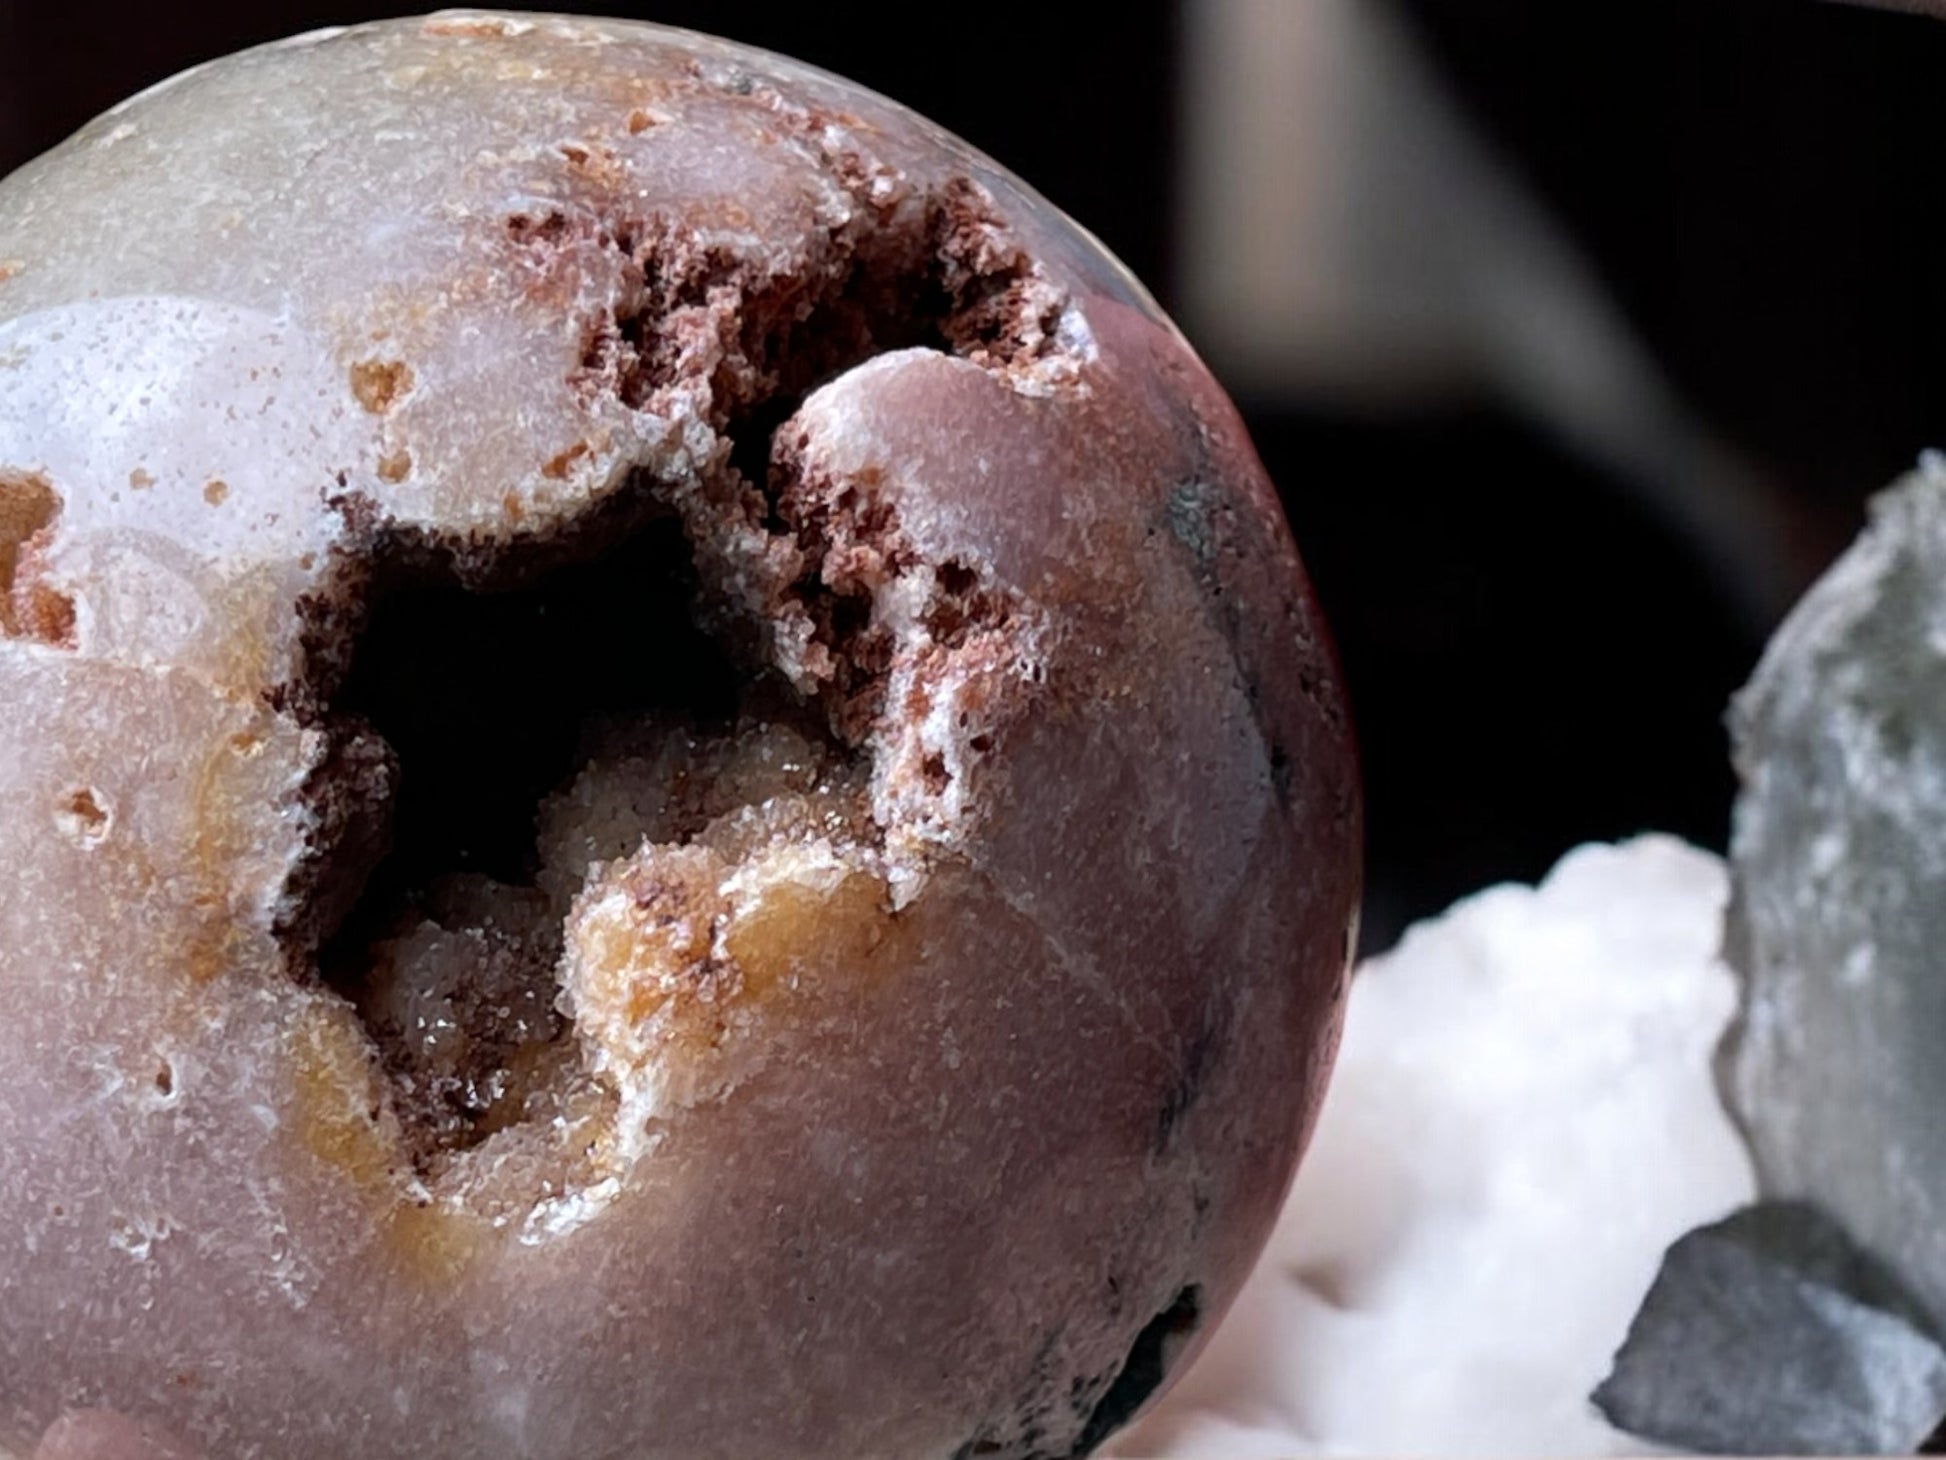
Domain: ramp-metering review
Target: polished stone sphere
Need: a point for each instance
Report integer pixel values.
(668, 783)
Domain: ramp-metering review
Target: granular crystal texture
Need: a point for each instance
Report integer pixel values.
(668, 783)
(1839, 916)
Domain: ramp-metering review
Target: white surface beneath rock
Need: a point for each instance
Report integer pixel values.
(1522, 1120)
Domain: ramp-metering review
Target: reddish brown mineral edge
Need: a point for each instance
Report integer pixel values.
(913, 978)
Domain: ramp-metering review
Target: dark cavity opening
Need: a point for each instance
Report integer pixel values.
(487, 700)
(1150, 1358)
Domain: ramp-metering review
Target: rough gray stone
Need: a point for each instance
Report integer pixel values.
(1838, 918)
(1770, 1333)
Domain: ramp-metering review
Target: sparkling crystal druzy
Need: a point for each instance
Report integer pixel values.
(667, 782)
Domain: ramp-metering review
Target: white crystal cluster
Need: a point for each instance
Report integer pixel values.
(1522, 1120)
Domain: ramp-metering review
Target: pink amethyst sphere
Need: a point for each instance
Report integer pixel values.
(670, 788)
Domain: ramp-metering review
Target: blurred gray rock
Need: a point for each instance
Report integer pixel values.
(1836, 1066)
(1770, 1333)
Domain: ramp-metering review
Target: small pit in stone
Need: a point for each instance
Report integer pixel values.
(82, 818)
(30, 609)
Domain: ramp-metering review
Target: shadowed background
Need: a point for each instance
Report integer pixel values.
(1574, 336)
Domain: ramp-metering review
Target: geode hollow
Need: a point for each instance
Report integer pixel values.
(669, 785)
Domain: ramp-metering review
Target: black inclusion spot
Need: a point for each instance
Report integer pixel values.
(1150, 1357)
(486, 697)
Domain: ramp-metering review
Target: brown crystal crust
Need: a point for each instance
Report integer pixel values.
(735, 833)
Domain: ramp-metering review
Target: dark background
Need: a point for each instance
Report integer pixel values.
(1535, 658)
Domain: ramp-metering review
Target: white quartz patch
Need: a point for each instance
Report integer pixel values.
(1522, 1119)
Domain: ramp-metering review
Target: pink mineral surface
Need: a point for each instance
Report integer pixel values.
(668, 783)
